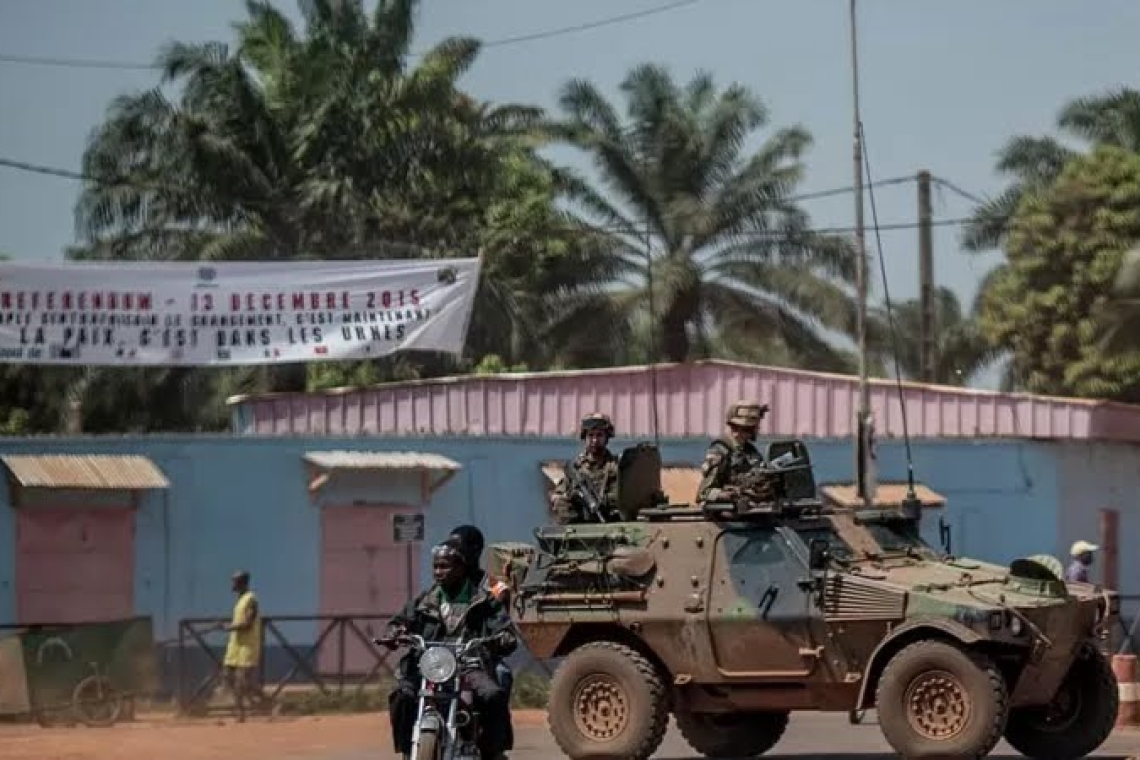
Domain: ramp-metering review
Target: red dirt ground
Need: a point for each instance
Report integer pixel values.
(164, 738)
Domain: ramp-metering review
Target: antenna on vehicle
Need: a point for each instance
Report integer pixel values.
(910, 503)
(652, 314)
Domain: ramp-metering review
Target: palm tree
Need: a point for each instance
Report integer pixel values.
(960, 350)
(1034, 162)
(289, 145)
(730, 251)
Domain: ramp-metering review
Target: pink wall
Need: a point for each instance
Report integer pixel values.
(691, 402)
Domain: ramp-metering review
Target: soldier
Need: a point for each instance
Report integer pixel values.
(597, 465)
(727, 461)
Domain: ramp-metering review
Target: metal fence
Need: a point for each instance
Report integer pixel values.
(341, 655)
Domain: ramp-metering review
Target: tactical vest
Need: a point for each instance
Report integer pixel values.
(741, 460)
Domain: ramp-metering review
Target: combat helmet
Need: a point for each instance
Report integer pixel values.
(746, 414)
(596, 421)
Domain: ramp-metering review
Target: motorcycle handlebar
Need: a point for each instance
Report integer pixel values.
(418, 642)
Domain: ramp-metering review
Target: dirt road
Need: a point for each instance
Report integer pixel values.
(365, 737)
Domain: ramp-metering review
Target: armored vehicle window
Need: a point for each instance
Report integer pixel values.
(839, 548)
(755, 548)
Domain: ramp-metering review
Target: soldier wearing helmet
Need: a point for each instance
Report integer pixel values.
(597, 464)
(733, 456)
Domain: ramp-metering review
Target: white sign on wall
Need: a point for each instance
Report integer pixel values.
(233, 313)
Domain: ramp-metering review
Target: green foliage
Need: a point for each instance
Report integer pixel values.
(493, 364)
(323, 142)
(1064, 253)
(1033, 163)
(960, 348)
(730, 253)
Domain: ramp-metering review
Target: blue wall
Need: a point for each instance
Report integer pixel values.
(242, 502)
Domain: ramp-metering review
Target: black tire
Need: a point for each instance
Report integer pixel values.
(1080, 718)
(96, 702)
(937, 700)
(725, 735)
(633, 713)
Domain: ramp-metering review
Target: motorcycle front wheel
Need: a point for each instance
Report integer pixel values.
(429, 745)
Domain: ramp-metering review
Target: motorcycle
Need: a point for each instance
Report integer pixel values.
(443, 693)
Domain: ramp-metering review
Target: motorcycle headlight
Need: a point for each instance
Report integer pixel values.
(437, 664)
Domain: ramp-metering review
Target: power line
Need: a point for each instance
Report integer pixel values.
(959, 191)
(52, 171)
(952, 222)
(92, 63)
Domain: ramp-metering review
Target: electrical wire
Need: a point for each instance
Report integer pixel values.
(91, 63)
(958, 190)
(51, 171)
(33, 168)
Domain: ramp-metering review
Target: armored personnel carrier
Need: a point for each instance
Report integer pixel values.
(732, 616)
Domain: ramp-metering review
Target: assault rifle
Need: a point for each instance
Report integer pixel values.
(764, 484)
(583, 495)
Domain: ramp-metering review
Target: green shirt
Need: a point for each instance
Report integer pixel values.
(462, 596)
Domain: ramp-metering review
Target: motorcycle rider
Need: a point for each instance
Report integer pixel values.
(471, 543)
(453, 607)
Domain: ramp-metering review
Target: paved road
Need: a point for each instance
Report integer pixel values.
(815, 735)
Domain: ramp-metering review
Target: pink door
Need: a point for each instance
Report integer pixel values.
(363, 571)
(74, 564)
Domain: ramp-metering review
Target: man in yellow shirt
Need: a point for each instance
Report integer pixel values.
(243, 652)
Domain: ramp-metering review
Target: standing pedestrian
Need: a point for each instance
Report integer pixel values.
(1082, 553)
(243, 651)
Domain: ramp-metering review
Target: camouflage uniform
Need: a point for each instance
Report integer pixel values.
(602, 473)
(726, 462)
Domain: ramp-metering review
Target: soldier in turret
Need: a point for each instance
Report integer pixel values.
(597, 465)
(731, 460)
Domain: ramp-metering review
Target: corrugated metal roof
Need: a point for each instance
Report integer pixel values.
(886, 495)
(85, 471)
(690, 400)
(380, 460)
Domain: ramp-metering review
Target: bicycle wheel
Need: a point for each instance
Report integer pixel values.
(96, 702)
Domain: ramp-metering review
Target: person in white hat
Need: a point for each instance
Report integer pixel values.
(1082, 553)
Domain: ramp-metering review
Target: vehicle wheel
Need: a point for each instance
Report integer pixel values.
(608, 701)
(96, 702)
(1079, 718)
(937, 700)
(429, 741)
(732, 734)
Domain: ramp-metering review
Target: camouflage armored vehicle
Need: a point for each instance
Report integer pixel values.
(733, 616)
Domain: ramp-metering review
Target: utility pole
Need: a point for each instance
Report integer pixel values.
(927, 319)
(864, 424)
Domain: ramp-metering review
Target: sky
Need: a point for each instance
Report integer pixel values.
(943, 85)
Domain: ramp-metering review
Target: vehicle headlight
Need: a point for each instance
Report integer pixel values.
(437, 664)
(1015, 625)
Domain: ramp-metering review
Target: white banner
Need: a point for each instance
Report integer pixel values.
(233, 313)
